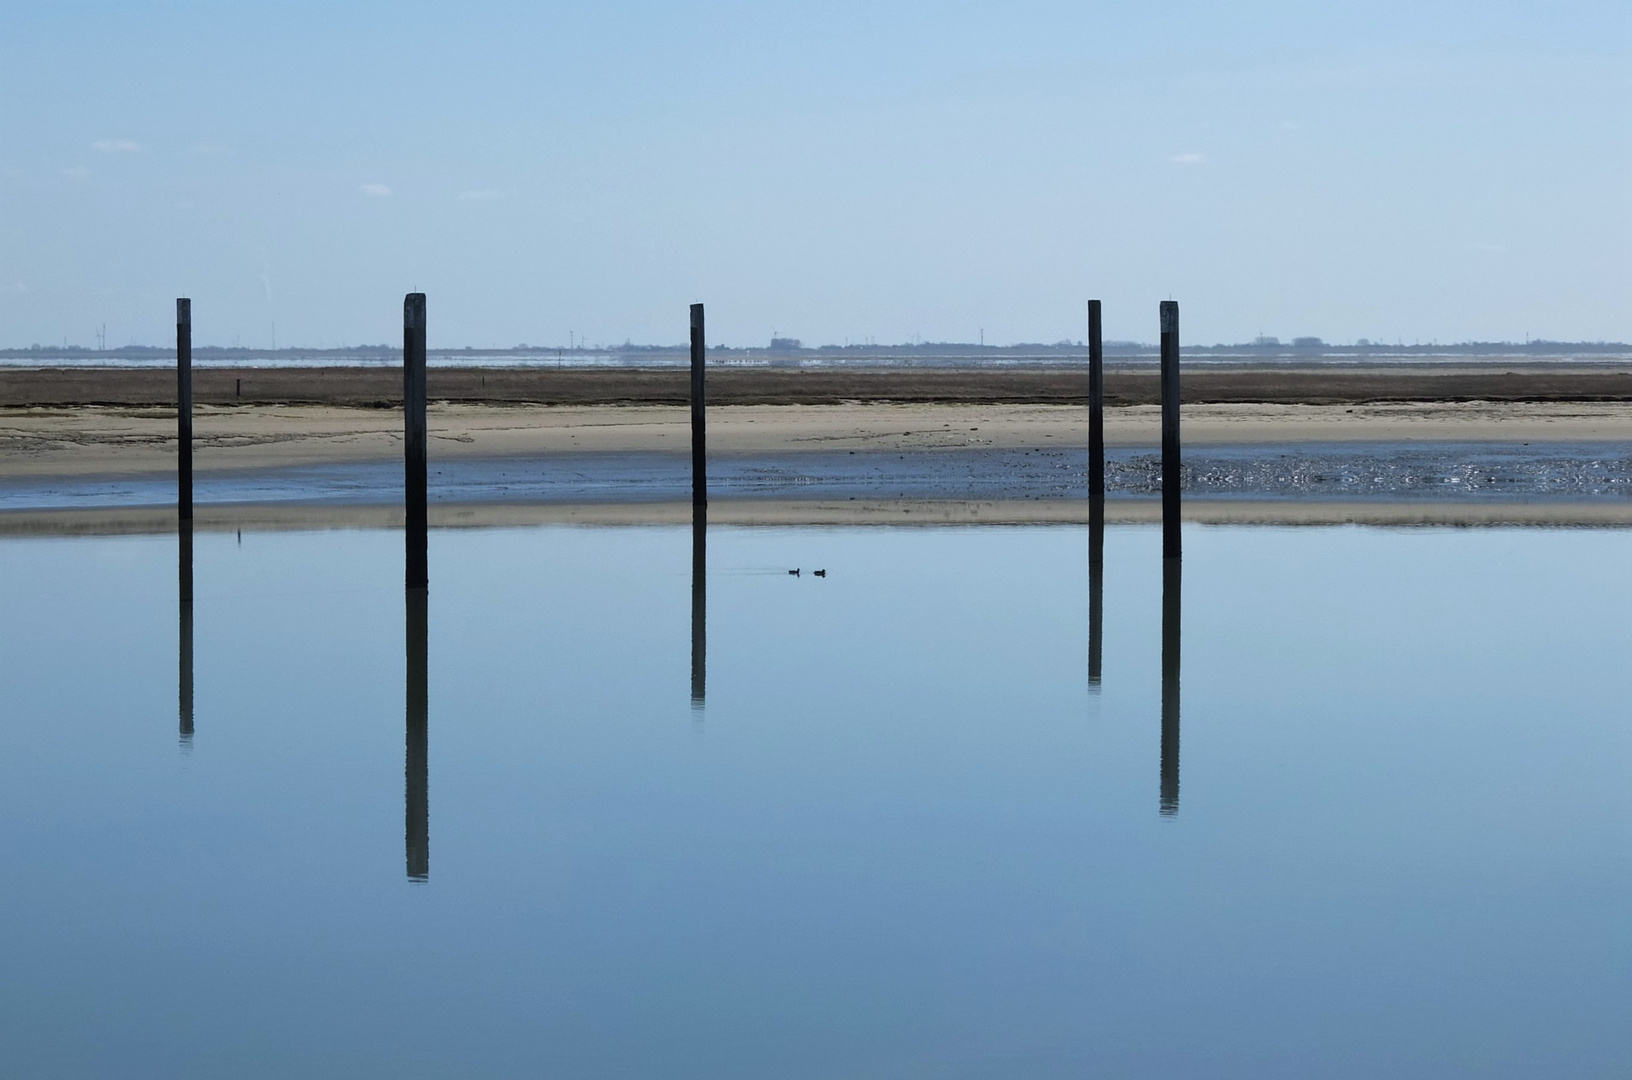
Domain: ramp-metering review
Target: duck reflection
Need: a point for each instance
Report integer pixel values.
(1171, 633)
(416, 770)
(184, 691)
(1096, 589)
(699, 606)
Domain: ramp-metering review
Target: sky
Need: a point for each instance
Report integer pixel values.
(1399, 170)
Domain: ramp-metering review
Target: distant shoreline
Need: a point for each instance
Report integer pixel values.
(930, 354)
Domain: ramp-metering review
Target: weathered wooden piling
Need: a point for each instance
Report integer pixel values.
(1096, 404)
(184, 513)
(699, 411)
(1172, 633)
(1171, 548)
(1096, 494)
(416, 758)
(414, 439)
(184, 628)
(699, 606)
(184, 409)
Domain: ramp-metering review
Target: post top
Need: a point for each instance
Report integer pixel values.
(184, 311)
(413, 311)
(1170, 316)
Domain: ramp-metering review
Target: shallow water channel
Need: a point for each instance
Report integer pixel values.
(1374, 820)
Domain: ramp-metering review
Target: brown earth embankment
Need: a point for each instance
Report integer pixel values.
(354, 386)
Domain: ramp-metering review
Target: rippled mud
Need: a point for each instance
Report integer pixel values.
(1389, 471)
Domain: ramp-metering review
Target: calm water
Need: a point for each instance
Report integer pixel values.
(1463, 472)
(898, 834)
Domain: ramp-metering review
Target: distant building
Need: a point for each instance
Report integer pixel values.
(786, 344)
(1308, 343)
(1264, 342)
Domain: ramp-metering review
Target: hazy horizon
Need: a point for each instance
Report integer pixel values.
(886, 171)
(1537, 347)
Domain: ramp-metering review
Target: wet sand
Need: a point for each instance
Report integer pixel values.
(120, 441)
(895, 512)
(98, 468)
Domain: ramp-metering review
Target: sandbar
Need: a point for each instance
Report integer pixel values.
(73, 441)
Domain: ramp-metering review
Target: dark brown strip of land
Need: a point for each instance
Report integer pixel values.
(382, 387)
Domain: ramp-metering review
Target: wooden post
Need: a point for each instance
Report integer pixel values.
(699, 411)
(416, 763)
(699, 606)
(1096, 404)
(184, 689)
(1172, 632)
(1170, 430)
(413, 404)
(699, 510)
(184, 514)
(1096, 495)
(184, 409)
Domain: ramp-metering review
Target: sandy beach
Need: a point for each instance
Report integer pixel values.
(973, 447)
(113, 440)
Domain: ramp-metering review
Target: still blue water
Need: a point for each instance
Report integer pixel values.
(902, 836)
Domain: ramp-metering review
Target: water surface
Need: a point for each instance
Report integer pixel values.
(894, 831)
(1466, 473)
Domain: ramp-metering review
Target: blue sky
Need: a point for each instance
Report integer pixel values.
(1398, 171)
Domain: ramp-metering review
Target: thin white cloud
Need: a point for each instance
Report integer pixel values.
(16, 288)
(117, 146)
(482, 195)
(1188, 159)
(375, 191)
(78, 172)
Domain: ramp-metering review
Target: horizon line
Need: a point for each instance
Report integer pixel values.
(793, 347)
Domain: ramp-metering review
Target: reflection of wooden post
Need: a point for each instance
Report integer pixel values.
(1096, 589)
(1172, 621)
(699, 411)
(184, 409)
(1096, 404)
(416, 767)
(184, 690)
(1170, 430)
(699, 606)
(413, 404)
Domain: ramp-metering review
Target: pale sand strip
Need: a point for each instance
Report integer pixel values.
(115, 441)
(909, 512)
